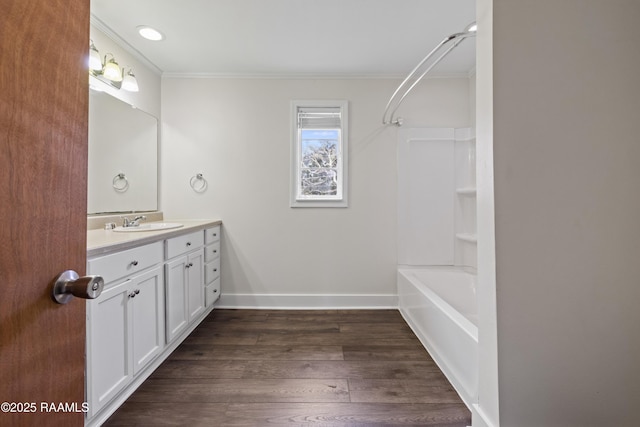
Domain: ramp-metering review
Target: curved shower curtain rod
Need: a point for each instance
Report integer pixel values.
(395, 101)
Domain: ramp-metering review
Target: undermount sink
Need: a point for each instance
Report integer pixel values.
(151, 226)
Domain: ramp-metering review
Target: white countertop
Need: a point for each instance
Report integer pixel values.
(101, 242)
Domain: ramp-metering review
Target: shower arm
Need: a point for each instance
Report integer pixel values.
(388, 117)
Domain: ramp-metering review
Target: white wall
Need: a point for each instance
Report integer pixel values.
(236, 132)
(566, 104)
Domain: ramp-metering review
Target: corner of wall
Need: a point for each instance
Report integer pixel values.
(488, 393)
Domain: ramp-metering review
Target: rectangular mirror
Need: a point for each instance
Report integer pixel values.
(123, 157)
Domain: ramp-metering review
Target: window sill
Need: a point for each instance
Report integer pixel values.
(319, 204)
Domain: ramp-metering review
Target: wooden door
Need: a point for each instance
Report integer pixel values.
(43, 170)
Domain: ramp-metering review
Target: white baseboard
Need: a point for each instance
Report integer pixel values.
(307, 301)
(479, 418)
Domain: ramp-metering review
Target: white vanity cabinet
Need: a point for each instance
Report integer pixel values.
(212, 265)
(185, 281)
(125, 328)
(154, 296)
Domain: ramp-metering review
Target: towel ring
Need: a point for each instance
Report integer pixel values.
(120, 183)
(198, 183)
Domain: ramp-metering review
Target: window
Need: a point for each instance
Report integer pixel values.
(319, 154)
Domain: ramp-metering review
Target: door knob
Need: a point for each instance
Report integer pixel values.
(69, 284)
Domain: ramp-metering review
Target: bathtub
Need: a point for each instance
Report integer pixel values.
(439, 304)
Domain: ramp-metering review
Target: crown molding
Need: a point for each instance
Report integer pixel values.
(296, 76)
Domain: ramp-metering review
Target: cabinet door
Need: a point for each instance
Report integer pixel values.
(195, 275)
(147, 317)
(212, 292)
(109, 367)
(176, 297)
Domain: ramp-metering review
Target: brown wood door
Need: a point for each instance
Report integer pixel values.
(43, 170)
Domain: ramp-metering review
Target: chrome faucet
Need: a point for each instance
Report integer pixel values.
(135, 222)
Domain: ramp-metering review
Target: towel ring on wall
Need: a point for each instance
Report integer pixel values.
(120, 183)
(198, 183)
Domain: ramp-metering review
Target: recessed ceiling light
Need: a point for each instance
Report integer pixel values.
(150, 33)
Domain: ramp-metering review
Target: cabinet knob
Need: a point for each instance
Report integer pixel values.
(137, 291)
(215, 290)
(132, 295)
(188, 243)
(215, 269)
(134, 263)
(215, 234)
(189, 265)
(215, 251)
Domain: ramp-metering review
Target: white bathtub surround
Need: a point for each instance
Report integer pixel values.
(466, 241)
(436, 197)
(439, 303)
(437, 248)
(426, 191)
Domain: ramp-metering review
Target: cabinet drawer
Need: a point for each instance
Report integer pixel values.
(115, 266)
(212, 234)
(183, 244)
(211, 293)
(212, 252)
(211, 271)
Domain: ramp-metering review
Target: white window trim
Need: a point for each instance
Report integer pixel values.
(341, 202)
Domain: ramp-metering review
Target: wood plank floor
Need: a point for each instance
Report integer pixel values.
(330, 368)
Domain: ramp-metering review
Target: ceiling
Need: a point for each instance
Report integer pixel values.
(342, 38)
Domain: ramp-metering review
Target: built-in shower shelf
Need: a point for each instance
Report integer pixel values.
(467, 191)
(467, 237)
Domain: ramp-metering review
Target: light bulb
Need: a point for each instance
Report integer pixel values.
(95, 63)
(112, 71)
(130, 83)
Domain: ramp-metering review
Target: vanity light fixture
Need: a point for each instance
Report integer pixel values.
(95, 63)
(129, 82)
(149, 33)
(109, 71)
